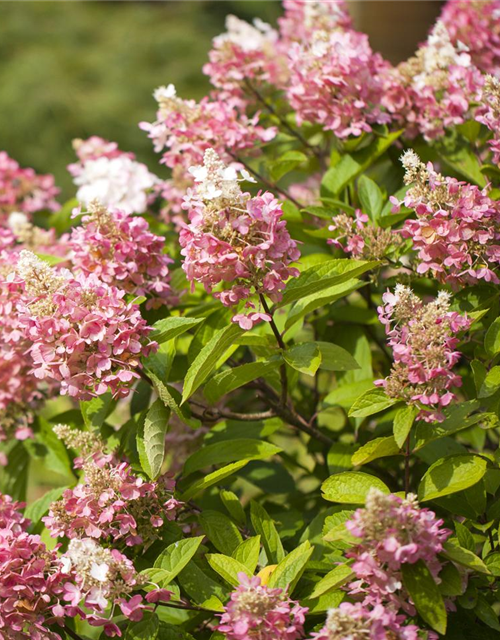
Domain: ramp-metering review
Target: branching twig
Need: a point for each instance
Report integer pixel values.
(269, 185)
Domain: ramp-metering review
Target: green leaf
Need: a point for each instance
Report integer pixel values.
(333, 580)
(146, 629)
(491, 383)
(323, 276)
(49, 259)
(334, 358)
(169, 396)
(370, 197)
(456, 419)
(454, 552)
(305, 357)
(95, 411)
(351, 487)
(211, 479)
(351, 166)
(228, 568)
(236, 377)
(425, 594)
(153, 438)
(36, 510)
(265, 527)
(206, 361)
(377, 448)
(492, 339)
(170, 328)
(451, 474)
(372, 401)
(485, 612)
(450, 581)
(307, 304)
(233, 505)
(229, 451)
(248, 553)
(290, 569)
(221, 531)
(403, 422)
(286, 163)
(199, 586)
(174, 558)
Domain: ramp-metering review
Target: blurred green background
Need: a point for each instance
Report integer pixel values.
(75, 69)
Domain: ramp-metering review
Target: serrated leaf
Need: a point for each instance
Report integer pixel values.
(290, 569)
(170, 328)
(229, 451)
(323, 276)
(153, 438)
(248, 553)
(211, 479)
(221, 531)
(451, 474)
(371, 402)
(236, 377)
(305, 357)
(206, 361)
(425, 594)
(333, 580)
(228, 568)
(265, 527)
(351, 487)
(403, 422)
(376, 448)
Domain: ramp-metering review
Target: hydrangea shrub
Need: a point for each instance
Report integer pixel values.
(253, 393)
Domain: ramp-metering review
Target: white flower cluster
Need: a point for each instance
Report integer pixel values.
(119, 182)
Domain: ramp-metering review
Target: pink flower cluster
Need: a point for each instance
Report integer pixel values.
(369, 622)
(335, 81)
(235, 239)
(121, 251)
(457, 228)
(434, 89)
(245, 54)
(477, 26)
(23, 190)
(303, 17)
(19, 390)
(423, 339)
(361, 239)
(185, 129)
(31, 579)
(392, 531)
(81, 331)
(488, 113)
(113, 177)
(256, 611)
(110, 503)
